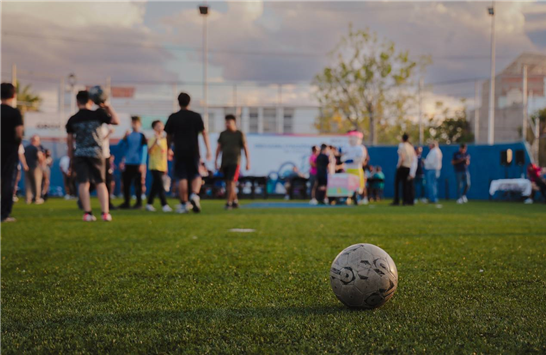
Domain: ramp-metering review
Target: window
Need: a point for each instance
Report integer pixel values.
(253, 120)
(270, 120)
(288, 122)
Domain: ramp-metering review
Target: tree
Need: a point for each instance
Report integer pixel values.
(448, 127)
(367, 83)
(26, 99)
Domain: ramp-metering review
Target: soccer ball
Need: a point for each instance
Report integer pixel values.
(363, 276)
(97, 95)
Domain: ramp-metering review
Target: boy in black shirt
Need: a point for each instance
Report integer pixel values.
(183, 129)
(12, 134)
(323, 160)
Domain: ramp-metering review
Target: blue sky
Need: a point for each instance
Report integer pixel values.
(258, 42)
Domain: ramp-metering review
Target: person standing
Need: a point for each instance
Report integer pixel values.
(183, 129)
(433, 167)
(406, 155)
(34, 176)
(46, 173)
(135, 153)
(21, 166)
(12, 135)
(461, 161)
(323, 160)
(230, 143)
(107, 131)
(313, 174)
(419, 180)
(85, 143)
(158, 150)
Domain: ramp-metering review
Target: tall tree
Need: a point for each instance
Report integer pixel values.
(367, 83)
(449, 127)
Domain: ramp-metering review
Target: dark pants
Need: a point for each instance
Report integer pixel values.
(130, 175)
(9, 175)
(109, 176)
(407, 187)
(157, 188)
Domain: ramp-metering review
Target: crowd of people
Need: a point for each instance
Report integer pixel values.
(90, 166)
(416, 176)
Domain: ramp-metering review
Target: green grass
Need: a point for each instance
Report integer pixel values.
(159, 283)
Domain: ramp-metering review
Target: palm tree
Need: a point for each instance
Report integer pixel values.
(26, 99)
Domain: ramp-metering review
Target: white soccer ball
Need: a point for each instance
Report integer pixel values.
(363, 276)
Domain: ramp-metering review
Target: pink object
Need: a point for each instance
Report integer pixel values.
(355, 134)
(312, 169)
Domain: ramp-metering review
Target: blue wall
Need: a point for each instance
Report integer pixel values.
(484, 167)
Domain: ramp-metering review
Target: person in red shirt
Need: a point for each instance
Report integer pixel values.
(534, 173)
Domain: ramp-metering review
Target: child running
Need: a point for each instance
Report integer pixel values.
(157, 152)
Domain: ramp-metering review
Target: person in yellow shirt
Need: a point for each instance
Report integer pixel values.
(158, 152)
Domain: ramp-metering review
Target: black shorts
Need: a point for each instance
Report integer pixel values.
(322, 180)
(89, 169)
(186, 168)
(231, 172)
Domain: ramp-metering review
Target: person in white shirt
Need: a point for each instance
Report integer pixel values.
(433, 166)
(406, 157)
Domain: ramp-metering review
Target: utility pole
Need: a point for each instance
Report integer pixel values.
(14, 81)
(62, 90)
(476, 112)
(175, 98)
(420, 111)
(204, 11)
(524, 101)
(109, 88)
(491, 120)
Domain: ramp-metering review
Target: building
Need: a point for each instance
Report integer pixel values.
(509, 111)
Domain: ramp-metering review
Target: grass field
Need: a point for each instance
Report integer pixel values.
(472, 278)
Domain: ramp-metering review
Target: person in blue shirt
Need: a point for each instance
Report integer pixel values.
(461, 161)
(134, 150)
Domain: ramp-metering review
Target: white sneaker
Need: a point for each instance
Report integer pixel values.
(195, 201)
(528, 201)
(460, 201)
(107, 217)
(416, 201)
(313, 202)
(424, 200)
(465, 200)
(89, 218)
(182, 209)
(67, 197)
(167, 208)
(39, 201)
(286, 197)
(150, 208)
(15, 198)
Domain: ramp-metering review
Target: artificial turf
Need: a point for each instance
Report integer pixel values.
(472, 279)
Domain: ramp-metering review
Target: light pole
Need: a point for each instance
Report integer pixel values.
(491, 120)
(204, 11)
(72, 82)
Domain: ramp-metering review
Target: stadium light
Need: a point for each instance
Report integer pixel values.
(204, 11)
(491, 118)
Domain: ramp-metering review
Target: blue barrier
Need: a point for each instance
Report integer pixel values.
(484, 167)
